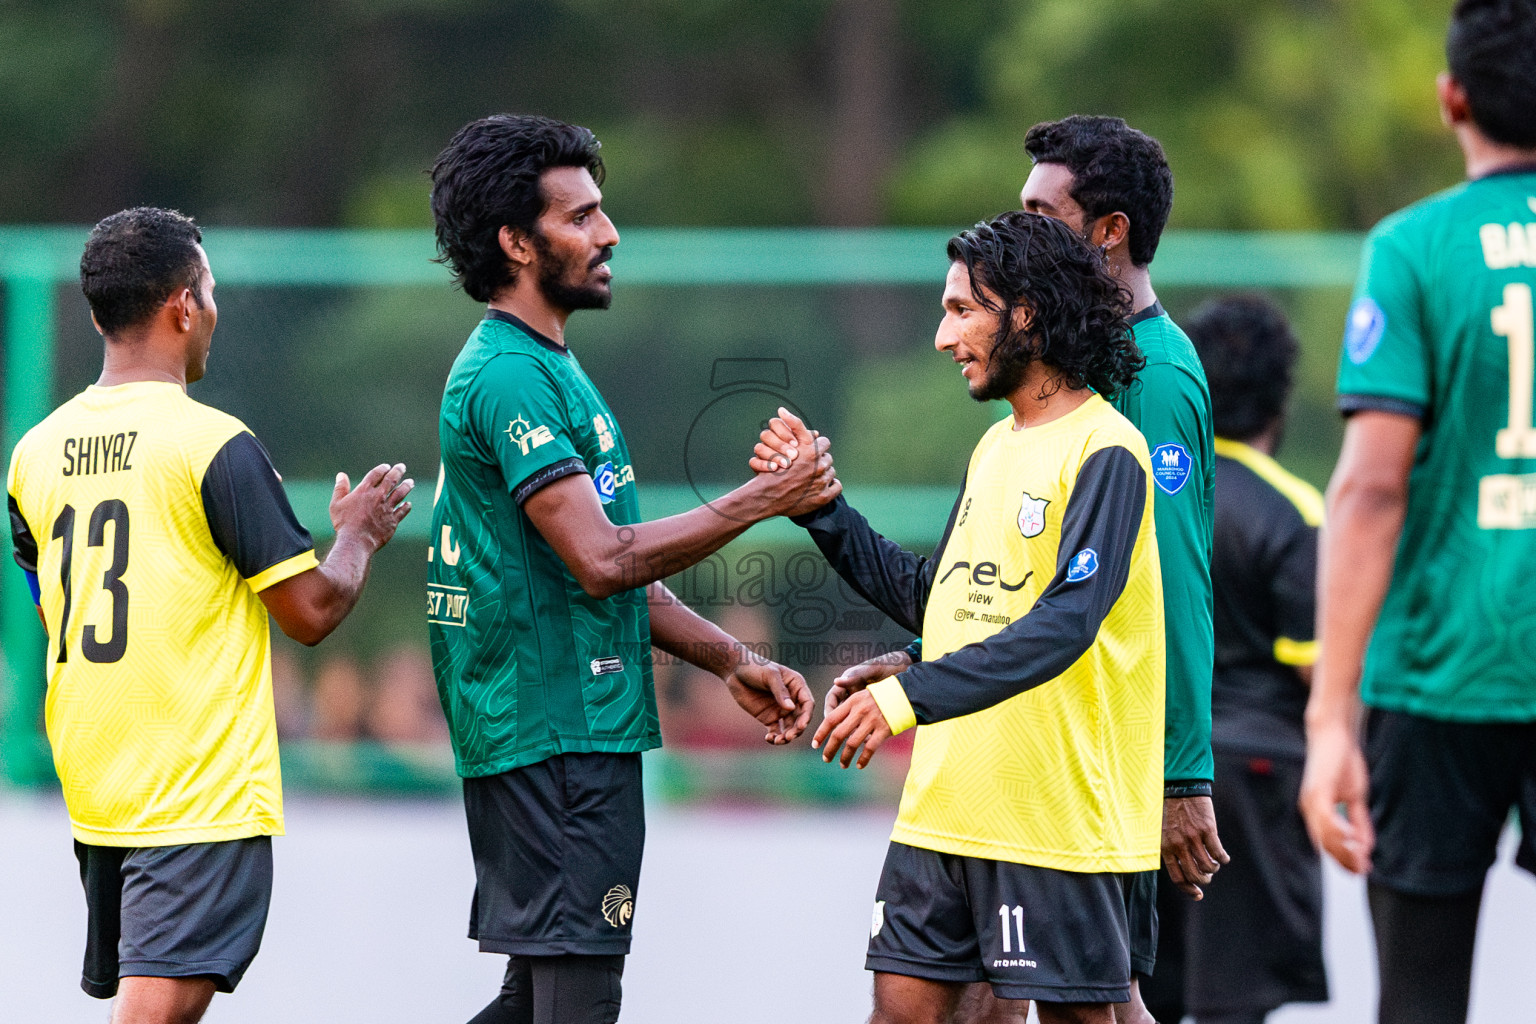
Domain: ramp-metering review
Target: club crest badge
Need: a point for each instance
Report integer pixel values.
(1032, 515)
(1367, 323)
(618, 905)
(877, 919)
(1170, 467)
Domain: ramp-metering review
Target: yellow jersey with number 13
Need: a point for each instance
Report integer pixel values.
(151, 523)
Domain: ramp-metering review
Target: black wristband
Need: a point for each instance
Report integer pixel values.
(915, 650)
(1175, 789)
(816, 513)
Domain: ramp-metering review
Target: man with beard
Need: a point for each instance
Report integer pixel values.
(544, 598)
(1035, 792)
(1111, 184)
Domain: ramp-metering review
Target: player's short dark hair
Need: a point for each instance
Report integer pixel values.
(1079, 313)
(487, 177)
(1114, 168)
(1491, 51)
(135, 260)
(1249, 352)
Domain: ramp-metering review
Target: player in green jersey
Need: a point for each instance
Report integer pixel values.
(1426, 608)
(544, 595)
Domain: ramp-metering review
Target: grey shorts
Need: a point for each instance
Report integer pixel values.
(174, 911)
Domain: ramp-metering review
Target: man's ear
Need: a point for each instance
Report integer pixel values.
(184, 307)
(1023, 316)
(516, 245)
(1110, 231)
(1454, 108)
(99, 331)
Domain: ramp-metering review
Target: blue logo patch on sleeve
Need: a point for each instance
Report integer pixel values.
(1366, 325)
(1171, 467)
(1084, 564)
(606, 482)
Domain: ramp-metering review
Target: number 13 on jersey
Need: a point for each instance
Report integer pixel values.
(95, 649)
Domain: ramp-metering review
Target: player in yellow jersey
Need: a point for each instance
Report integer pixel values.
(156, 537)
(1035, 791)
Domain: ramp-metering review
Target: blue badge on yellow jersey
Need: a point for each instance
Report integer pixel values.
(1367, 323)
(606, 482)
(1084, 564)
(1170, 467)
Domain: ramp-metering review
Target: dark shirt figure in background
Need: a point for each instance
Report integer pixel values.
(544, 593)
(1256, 941)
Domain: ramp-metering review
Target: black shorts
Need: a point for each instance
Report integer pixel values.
(1441, 793)
(174, 911)
(1255, 942)
(1141, 915)
(1031, 932)
(557, 849)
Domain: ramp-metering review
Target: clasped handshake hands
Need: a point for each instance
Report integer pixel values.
(853, 719)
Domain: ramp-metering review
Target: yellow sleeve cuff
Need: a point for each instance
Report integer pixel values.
(1295, 652)
(286, 569)
(893, 704)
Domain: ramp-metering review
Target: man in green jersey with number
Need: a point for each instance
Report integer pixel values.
(1427, 612)
(544, 595)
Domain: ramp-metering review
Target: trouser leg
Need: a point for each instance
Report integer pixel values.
(514, 1003)
(1424, 954)
(577, 989)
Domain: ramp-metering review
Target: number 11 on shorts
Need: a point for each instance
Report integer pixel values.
(1018, 922)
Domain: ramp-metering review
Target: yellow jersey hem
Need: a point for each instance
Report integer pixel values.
(1057, 860)
(892, 701)
(264, 826)
(286, 569)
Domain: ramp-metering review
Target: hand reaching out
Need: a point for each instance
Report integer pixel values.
(774, 695)
(797, 476)
(861, 675)
(855, 722)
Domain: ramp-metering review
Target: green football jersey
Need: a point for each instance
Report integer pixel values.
(1441, 329)
(1171, 405)
(528, 665)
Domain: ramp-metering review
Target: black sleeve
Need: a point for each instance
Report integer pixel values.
(1103, 516)
(23, 543)
(1351, 404)
(546, 476)
(1293, 581)
(247, 509)
(886, 575)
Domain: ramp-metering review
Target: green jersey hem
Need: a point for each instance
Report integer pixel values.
(545, 751)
